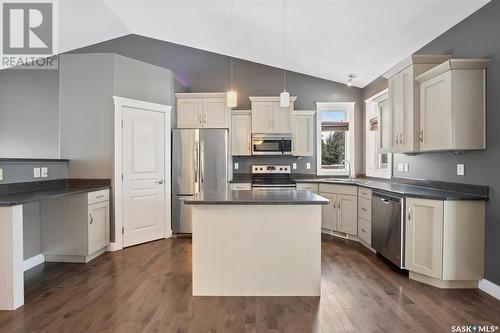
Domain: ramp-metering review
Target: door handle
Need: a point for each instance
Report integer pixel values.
(196, 167)
(202, 162)
(385, 200)
(91, 219)
(160, 181)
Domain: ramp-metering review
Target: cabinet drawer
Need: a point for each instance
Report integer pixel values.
(98, 196)
(308, 187)
(240, 186)
(339, 189)
(365, 193)
(365, 209)
(365, 231)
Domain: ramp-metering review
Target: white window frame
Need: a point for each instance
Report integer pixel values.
(371, 107)
(348, 108)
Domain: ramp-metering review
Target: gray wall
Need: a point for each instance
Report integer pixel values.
(88, 83)
(475, 37)
(29, 125)
(202, 71)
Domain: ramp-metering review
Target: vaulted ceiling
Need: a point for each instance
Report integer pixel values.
(326, 39)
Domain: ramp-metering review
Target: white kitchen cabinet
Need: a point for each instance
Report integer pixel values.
(268, 117)
(330, 213)
(241, 133)
(404, 100)
(202, 110)
(341, 214)
(445, 242)
(75, 228)
(303, 133)
(452, 106)
(240, 186)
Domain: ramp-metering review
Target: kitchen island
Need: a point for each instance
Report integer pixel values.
(256, 243)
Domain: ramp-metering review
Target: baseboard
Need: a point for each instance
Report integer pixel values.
(112, 247)
(33, 261)
(490, 288)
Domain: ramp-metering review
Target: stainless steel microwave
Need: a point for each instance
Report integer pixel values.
(271, 145)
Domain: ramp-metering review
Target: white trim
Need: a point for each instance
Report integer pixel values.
(269, 98)
(349, 108)
(117, 187)
(241, 112)
(201, 95)
(490, 288)
(304, 112)
(33, 261)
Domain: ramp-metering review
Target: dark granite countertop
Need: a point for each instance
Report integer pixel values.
(260, 197)
(22, 193)
(405, 187)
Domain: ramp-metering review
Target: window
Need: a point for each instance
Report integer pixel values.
(335, 138)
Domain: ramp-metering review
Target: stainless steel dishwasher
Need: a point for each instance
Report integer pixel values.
(388, 226)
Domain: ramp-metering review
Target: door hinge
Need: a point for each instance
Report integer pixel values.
(123, 230)
(122, 176)
(122, 122)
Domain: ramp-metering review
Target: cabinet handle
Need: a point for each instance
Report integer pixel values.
(204, 118)
(363, 209)
(338, 204)
(91, 219)
(199, 118)
(421, 136)
(100, 196)
(270, 123)
(409, 213)
(363, 230)
(334, 205)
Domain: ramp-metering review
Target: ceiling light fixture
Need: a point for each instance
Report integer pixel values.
(232, 96)
(284, 96)
(351, 76)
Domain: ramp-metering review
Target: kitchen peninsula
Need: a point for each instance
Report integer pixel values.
(256, 243)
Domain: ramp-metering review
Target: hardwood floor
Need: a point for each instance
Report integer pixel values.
(147, 288)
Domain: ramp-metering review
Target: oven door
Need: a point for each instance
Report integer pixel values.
(264, 145)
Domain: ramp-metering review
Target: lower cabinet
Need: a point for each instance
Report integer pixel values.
(341, 213)
(75, 228)
(445, 242)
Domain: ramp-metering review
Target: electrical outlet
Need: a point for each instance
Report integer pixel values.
(406, 167)
(44, 172)
(1, 174)
(401, 167)
(294, 166)
(308, 165)
(236, 166)
(36, 172)
(460, 169)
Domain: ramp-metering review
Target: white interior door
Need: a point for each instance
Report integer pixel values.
(144, 183)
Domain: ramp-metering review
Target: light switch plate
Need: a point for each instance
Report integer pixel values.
(44, 172)
(36, 172)
(308, 165)
(401, 167)
(460, 169)
(406, 167)
(294, 166)
(236, 166)
(1, 174)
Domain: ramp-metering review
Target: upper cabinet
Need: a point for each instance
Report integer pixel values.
(404, 100)
(303, 133)
(202, 110)
(241, 133)
(269, 117)
(452, 106)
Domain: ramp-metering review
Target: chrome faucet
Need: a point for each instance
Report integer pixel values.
(349, 167)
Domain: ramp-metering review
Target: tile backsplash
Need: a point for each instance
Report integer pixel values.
(246, 162)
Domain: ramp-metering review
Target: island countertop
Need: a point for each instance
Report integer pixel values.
(260, 197)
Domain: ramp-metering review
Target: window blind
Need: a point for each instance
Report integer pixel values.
(337, 126)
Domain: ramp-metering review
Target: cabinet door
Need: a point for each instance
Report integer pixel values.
(384, 125)
(330, 213)
(405, 122)
(396, 112)
(262, 117)
(215, 113)
(303, 135)
(424, 237)
(241, 135)
(348, 214)
(435, 113)
(98, 227)
(282, 118)
(189, 113)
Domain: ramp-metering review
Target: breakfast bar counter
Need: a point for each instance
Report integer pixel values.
(249, 243)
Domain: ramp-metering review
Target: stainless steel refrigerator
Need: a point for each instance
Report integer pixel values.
(199, 163)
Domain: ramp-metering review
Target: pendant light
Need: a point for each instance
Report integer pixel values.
(284, 96)
(232, 96)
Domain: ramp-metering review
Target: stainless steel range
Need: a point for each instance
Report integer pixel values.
(272, 177)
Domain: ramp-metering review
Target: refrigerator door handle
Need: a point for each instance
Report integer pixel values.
(202, 161)
(196, 166)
